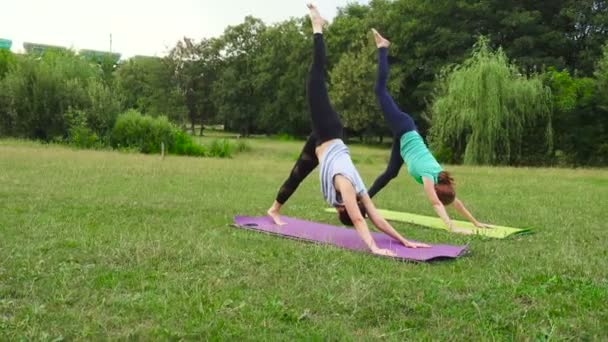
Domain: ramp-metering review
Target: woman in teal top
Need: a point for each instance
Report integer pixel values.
(408, 146)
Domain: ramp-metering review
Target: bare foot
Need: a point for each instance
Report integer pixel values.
(276, 217)
(316, 19)
(381, 42)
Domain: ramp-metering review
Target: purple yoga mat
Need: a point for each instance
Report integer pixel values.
(344, 237)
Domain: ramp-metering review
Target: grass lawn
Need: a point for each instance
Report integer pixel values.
(109, 245)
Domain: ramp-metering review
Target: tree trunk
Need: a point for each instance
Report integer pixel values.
(202, 122)
(191, 105)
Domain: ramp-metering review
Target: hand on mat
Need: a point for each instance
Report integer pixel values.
(410, 244)
(382, 251)
(483, 225)
(276, 217)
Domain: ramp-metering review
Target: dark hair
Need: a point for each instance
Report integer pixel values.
(445, 188)
(345, 218)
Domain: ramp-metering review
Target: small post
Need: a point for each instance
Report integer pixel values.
(162, 151)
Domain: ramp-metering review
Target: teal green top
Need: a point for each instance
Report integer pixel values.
(420, 162)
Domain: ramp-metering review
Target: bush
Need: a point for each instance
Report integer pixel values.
(284, 137)
(143, 132)
(83, 137)
(79, 134)
(103, 108)
(242, 146)
(221, 148)
(184, 145)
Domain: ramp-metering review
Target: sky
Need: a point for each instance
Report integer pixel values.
(138, 27)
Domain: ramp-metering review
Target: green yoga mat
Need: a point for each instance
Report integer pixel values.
(498, 232)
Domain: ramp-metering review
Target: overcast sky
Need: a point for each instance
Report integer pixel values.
(138, 27)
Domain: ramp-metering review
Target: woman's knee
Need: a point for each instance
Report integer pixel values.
(410, 125)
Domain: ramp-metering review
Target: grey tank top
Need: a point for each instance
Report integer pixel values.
(336, 161)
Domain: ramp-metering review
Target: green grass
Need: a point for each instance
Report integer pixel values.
(108, 245)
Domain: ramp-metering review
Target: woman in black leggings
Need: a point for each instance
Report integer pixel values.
(341, 185)
(303, 167)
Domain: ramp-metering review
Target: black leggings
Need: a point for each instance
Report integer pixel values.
(326, 124)
(302, 168)
(399, 122)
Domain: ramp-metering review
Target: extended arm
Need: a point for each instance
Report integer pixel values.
(429, 189)
(349, 197)
(384, 226)
(464, 212)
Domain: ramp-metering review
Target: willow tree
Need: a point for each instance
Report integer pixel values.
(482, 108)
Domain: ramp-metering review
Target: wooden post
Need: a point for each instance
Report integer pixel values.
(162, 150)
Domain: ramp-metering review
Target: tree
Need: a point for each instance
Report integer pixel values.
(352, 91)
(103, 108)
(580, 116)
(483, 107)
(235, 92)
(195, 69)
(601, 74)
(586, 23)
(41, 89)
(146, 84)
(281, 68)
(7, 61)
(575, 118)
(349, 28)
